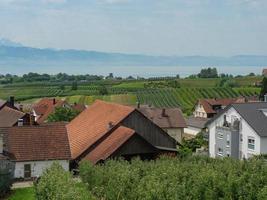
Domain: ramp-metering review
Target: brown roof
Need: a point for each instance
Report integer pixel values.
(78, 107)
(209, 103)
(2, 103)
(93, 123)
(45, 107)
(114, 141)
(165, 118)
(9, 116)
(46, 142)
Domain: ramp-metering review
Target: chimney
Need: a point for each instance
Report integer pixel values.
(265, 98)
(54, 101)
(11, 101)
(138, 104)
(110, 125)
(163, 113)
(21, 107)
(20, 122)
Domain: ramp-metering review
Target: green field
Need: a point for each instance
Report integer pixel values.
(131, 92)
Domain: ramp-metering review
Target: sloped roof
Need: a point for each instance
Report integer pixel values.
(78, 107)
(33, 143)
(209, 103)
(252, 113)
(45, 107)
(197, 122)
(165, 118)
(2, 103)
(9, 116)
(93, 123)
(114, 141)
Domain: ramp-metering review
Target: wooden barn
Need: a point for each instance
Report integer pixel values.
(108, 130)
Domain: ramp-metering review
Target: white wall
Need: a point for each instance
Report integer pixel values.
(199, 111)
(37, 167)
(192, 130)
(264, 145)
(245, 130)
(176, 133)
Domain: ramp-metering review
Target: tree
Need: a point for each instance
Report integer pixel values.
(103, 90)
(208, 73)
(62, 114)
(56, 183)
(263, 88)
(74, 85)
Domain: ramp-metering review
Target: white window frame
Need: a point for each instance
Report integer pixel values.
(219, 134)
(251, 144)
(220, 153)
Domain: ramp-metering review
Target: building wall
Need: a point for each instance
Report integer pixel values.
(148, 130)
(264, 145)
(245, 132)
(192, 130)
(37, 167)
(1, 143)
(176, 133)
(199, 111)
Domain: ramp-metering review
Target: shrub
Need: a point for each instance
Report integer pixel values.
(57, 184)
(193, 177)
(5, 182)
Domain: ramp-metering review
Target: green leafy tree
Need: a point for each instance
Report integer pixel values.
(5, 182)
(208, 73)
(62, 114)
(58, 184)
(103, 90)
(263, 88)
(74, 85)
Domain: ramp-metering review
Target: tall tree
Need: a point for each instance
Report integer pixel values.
(263, 88)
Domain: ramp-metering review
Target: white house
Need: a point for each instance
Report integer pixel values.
(34, 148)
(239, 131)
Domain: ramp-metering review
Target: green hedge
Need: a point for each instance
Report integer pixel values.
(173, 178)
(5, 182)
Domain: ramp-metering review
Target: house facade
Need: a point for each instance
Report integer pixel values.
(33, 149)
(239, 131)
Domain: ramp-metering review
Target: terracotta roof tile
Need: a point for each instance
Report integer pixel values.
(45, 107)
(9, 116)
(107, 147)
(93, 123)
(171, 118)
(46, 142)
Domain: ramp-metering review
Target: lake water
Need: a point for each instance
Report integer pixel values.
(124, 71)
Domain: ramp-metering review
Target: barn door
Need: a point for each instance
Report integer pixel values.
(27, 171)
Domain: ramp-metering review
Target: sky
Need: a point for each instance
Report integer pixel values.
(151, 27)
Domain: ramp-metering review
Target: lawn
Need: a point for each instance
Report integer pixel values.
(22, 194)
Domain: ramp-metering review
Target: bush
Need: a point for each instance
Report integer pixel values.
(5, 182)
(57, 184)
(193, 177)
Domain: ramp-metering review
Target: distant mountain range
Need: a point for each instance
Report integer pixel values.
(16, 55)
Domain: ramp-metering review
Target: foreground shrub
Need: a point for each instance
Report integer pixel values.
(192, 177)
(5, 182)
(57, 184)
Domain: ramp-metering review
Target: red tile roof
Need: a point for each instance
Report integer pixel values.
(165, 118)
(209, 103)
(93, 123)
(33, 143)
(45, 107)
(107, 147)
(9, 116)
(78, 107)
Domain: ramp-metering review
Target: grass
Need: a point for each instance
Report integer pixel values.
(22, 194)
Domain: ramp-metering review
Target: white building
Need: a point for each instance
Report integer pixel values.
(239, 131)
(34, 148)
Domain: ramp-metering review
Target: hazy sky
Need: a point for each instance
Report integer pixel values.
(156, 27)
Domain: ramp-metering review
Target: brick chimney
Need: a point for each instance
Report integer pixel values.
(54, 101)
(163, 113)
(11, 101)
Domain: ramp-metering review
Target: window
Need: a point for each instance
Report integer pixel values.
(251, 143)
(241, 138)
(220, 135)
(220, 151)
(228, 140)
(228, 153)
